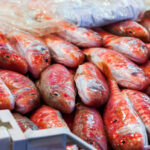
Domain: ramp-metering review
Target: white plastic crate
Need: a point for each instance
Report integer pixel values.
(12, 138)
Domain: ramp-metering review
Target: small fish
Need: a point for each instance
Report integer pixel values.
(57, 88)
(64, 52)
(124, 128)
(132, 48)
(125, 72)
(33, 50)
(79, 36)
(91, 84)
(88, 125)
(6, 98)
(24, 122)
(141, 104)
(46, 117)
(72, 147)
(23, 89)
(129, 28)
(9, 58)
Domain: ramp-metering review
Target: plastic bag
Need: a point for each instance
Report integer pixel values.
(46, 16)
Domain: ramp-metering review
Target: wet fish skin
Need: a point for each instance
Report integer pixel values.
(57, 88)
(125, 72)
(24, 122)
(88, 125)
(132, 48)
(34, 50)
(79, 36)
(64, 52)
(141, 104)
(9, 58)
(23, 89)
(6, 98)
(46, 117)
(124, 128)
(129, 28)
(91, 84)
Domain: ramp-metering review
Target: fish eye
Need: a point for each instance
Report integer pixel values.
(56, 94)
(115, 121)
(130, 32)
(123, 142)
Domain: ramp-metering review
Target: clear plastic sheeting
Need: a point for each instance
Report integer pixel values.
(46, 16)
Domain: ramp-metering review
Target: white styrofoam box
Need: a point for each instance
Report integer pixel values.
(12, 138)
(17, 139)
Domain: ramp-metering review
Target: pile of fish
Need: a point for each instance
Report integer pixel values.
(95, 82)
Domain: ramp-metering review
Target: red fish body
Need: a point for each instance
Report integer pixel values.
(64, 52)
(23, 90)
(9, 58)
(131, 47)
(81, 37)
(47, 117)
(124, 128)
(88, 125)
(6, 98)
(24, 122)
(34, 51)
(146, 23)
(57, 88)
(141, 104)
(129, 28)
(91, 84)
(126, 73)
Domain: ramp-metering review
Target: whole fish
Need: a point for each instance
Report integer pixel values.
(72, 147)
(24, 122)
(10, 58)
(129, 28)
(6, 98)
(88, 125)
(47, 117)
(23, 89)
(79, 36)
(131, 47)
(57, 88)
(125, 72)
(91, 84)
(33, 50)
(64, 52)
(141, 104)
(148, 47)
(124, 128)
